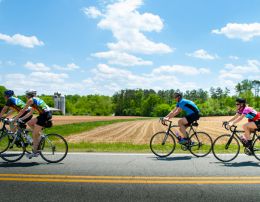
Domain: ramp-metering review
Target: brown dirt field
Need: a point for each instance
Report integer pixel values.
(61, 120)
(140, 132)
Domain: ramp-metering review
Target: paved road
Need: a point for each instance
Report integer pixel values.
(131, 177)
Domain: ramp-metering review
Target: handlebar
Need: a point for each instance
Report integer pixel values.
(163, 121)
(231, 128)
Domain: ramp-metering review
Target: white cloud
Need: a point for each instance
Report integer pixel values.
(43, 82)
(232, 57)
(128, 25)
(107, 80)
(92, 12)
(68, 67)
(7, 63)
(232, 74)
(202, 54)
(40, 67)
(186, 70)
(48, 77)
(18, 39)
(239, 31)
(123, 59)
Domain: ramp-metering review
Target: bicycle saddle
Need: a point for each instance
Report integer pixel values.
(195, 123)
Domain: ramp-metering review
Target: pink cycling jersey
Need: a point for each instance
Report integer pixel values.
(249, 113)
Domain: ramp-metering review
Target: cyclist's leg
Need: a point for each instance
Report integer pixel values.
(182, 124)
(248, 127)
(35, 133)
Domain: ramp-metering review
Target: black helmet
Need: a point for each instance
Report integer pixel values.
(30, 93)
(241, 100)
(9, 93)
(176, 95)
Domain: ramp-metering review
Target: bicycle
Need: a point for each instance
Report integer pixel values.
(6, 136)
(53, 148)
(163, 144)
(230, 145)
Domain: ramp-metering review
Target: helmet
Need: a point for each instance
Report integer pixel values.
(176, 95)
(30, 93)
(9, 93)
(241, 100)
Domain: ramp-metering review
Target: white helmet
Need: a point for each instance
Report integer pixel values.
(30, 93)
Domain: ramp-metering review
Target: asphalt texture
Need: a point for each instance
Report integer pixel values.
(131, 177)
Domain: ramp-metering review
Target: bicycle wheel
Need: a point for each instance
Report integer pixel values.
(15, 150)
(162, 145)
(54, 148)
(4, 141)
(201, 144)
(226, 149)
(256, 146)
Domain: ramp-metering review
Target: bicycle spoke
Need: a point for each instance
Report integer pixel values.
(54, 148)
(256, 147)
(201, 144)
(15, 151)
(226, 149)
(4, 141)
(162, 145)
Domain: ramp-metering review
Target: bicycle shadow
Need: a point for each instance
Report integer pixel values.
(19, 164)
(173, 158)
(241, 164)
(24, 164)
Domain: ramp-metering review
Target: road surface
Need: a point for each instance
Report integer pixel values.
(131, 177)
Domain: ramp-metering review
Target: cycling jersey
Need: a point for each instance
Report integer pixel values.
(249, 113)
(39, 105)
(15, 103)
(188, 106)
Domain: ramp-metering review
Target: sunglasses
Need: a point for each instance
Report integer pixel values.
(237, 104)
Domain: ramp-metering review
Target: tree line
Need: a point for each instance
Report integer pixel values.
(147, 102)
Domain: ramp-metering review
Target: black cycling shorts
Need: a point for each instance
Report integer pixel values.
(43, 118)
(27, 119)
(192, 117)
(257, 123)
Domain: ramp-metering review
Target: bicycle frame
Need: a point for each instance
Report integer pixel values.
(234, 132)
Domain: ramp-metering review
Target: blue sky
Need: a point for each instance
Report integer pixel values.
(100, 47)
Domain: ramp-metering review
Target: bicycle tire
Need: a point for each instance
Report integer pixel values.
(4, 141)
(256, 147)
(201, 144)
(156, 144)
(218, 147)
(14, 152)
(49, 145)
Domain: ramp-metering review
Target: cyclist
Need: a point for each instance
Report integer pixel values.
(14, 105)
(253, 120)
(38, 122)
(192, 114)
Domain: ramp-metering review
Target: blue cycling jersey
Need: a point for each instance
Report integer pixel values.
(188, 106)
(15, 103)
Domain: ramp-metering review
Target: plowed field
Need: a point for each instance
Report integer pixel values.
(140, 132)
(60, 120)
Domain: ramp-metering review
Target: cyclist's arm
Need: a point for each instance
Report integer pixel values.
(28, 104)
(10, 112)
(3, 111)
(238, 119)
(173, 113)
(234, 117)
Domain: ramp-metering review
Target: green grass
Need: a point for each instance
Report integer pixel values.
(74, 128)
